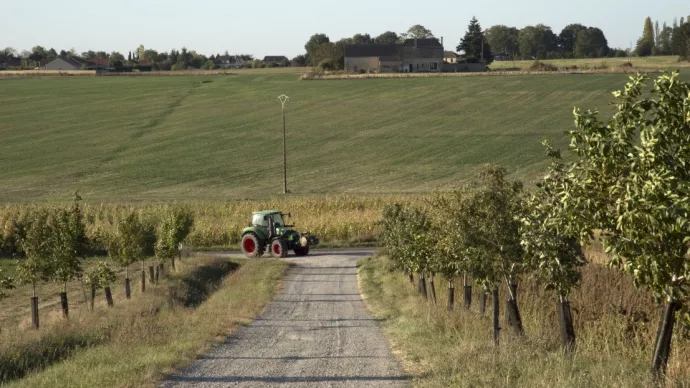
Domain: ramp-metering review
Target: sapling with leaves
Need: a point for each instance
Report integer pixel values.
(174, 228)
(64, 252)
(391, 237)
(102, 276)
(36, 266)
(550, 236)
(494, 210)
(129, 244)
(633, 180)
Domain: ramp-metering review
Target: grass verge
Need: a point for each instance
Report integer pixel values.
(615, 325)
(153, 337)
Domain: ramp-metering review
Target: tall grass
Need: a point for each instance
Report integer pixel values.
(614, 324)
(341, 219)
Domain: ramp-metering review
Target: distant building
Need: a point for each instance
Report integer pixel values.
(412, 56)
(66, 63)
(502, 57)
(450, 57)
(229, 61)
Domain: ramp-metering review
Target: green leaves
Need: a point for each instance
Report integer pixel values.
(133, 241)
(176, 225)
(634, 184)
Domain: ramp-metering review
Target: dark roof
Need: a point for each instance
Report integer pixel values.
(274, 58)
(432, 42)
(99, 61)
(372, 50)
(70, 60)
(12, 62)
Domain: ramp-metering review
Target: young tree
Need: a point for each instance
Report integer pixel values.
(101, 276)
(175, 227)
(362, 39)
(635, 186)
(475, 45)
(128, 245)
(36, 266)
(551, 241)
(497, 206)
(646, 42)
(65, 250)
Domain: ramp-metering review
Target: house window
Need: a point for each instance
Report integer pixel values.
(433, 66)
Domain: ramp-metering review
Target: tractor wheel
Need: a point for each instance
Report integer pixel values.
(251, 246)
(301, 251)
(279, 248)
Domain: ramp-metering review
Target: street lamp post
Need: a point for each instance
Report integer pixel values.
(283, 99)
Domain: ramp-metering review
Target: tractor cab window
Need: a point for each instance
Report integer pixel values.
(259, 220)
(278, 220)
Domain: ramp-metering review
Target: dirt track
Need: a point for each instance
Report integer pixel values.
(316, 334)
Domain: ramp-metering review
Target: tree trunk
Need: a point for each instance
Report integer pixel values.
(128, 291)
(172, 262)
(93, 296)
(157, 275)
(513, 312)
(143, 281)
(162, 268)
(411, 278)
(83, 289)
(468, 292)
(662, 349)
(496, 315)
(422, 285)
(432, 288)
(64, 304)
(34, 312)
(482, 302)
(419, 282)
(152, 275)
(565, 318)
(109, 295)
(451, 295)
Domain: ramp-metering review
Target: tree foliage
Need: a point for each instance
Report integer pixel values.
(175, 227)
(417, 31)
(567, 39)
(646, 43)
(503, 39)
(387, 37)
(537, 41)
(591, 43)
(475, 45)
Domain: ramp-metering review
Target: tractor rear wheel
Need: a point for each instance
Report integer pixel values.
(279, 248)
(301, 251)
(251, 246)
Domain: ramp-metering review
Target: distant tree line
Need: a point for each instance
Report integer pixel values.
(173, 60)
(665, 40)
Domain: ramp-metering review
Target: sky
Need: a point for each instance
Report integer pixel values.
(281, 27)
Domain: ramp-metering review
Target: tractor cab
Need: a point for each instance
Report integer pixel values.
(270, 222)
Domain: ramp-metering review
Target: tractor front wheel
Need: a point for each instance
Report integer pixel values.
(251, 246)
(302, 251)
(279, 248)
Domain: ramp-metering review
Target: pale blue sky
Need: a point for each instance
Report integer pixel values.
(281, 27)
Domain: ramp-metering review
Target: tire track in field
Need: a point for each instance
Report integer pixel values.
(154, 122)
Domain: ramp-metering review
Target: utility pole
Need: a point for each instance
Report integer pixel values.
(284, 99)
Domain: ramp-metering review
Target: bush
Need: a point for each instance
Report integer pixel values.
(541, 66)
(627, 64)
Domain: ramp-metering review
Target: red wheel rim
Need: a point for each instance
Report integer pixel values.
(249, 246)
(276, 248)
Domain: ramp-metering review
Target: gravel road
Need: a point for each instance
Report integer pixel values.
(316, 334)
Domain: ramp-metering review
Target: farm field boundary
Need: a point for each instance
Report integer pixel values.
(622, 70)
(455, 348)
(149, 338)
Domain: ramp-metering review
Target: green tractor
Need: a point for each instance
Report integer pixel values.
(268, 231)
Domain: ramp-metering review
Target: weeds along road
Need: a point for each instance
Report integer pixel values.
(317, 333)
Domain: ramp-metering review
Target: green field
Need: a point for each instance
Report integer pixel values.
(219, 137)
(661, 62)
